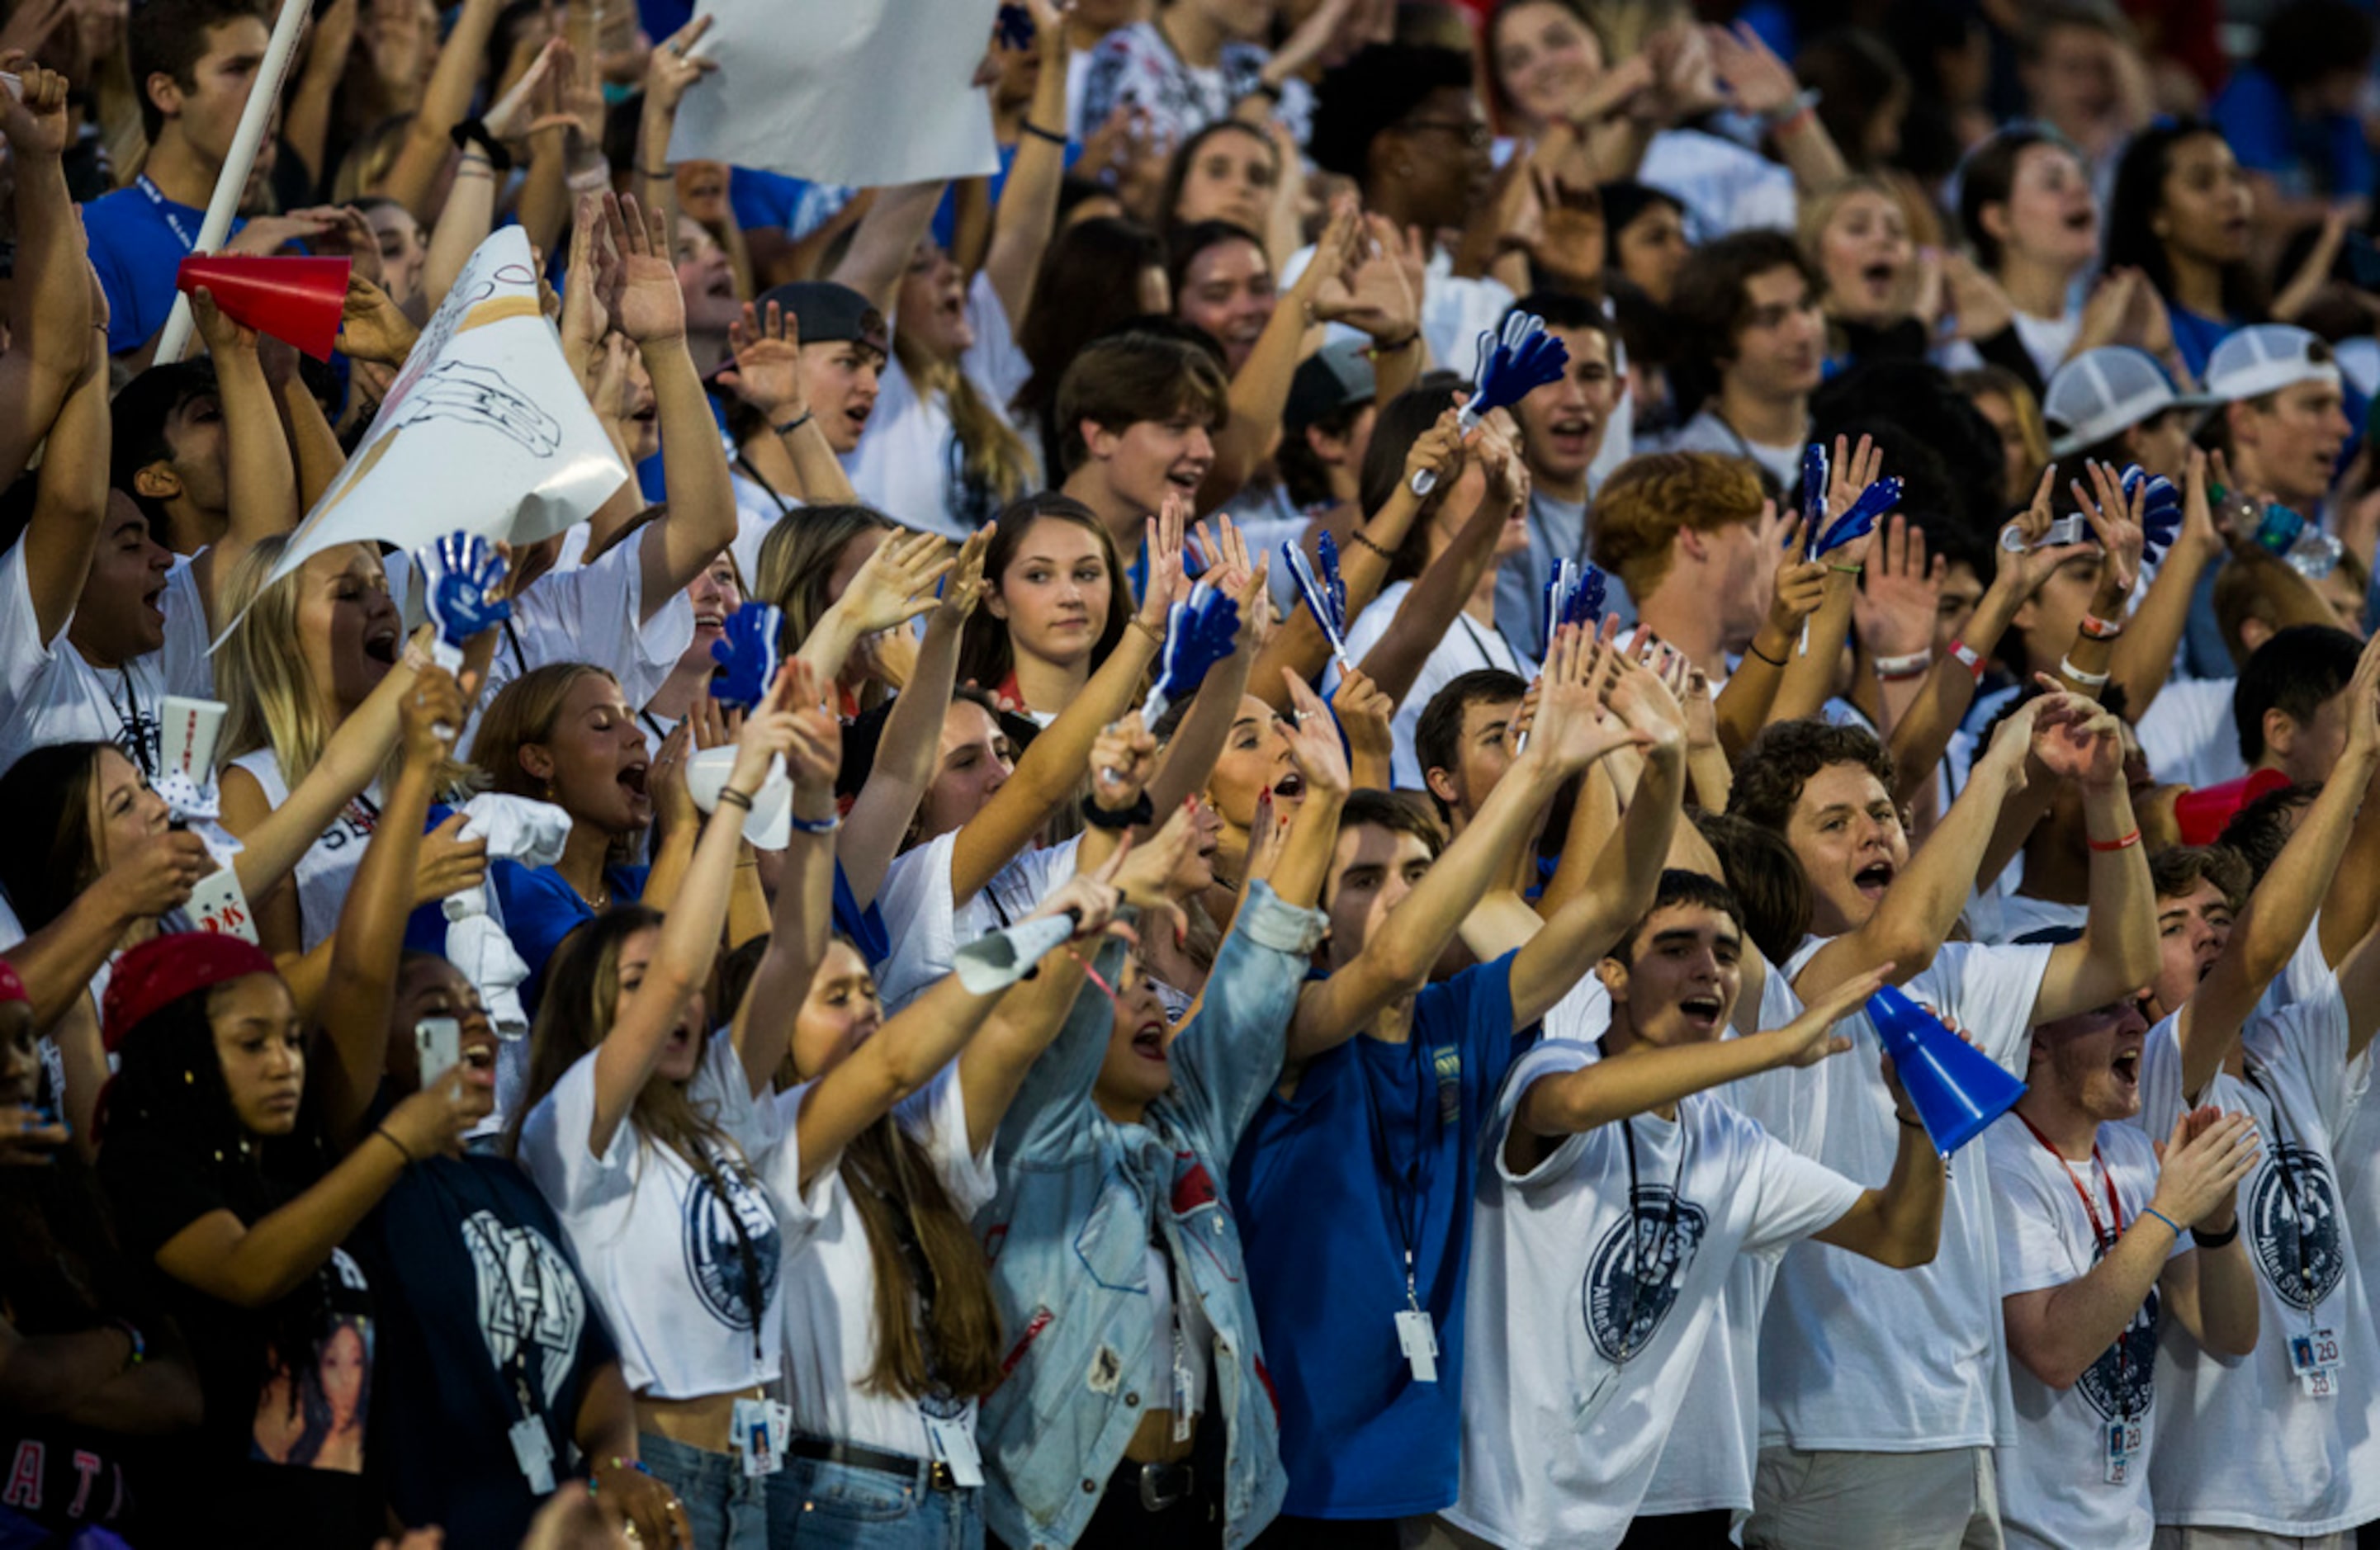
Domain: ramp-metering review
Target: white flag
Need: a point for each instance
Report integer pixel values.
(865, 92)
(485, 431)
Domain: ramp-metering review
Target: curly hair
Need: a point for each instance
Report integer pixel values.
(1785, 757)
(1649, 498)
(2178, 869)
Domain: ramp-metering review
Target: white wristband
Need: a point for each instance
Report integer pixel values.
(2088, 680)
(1911, 666)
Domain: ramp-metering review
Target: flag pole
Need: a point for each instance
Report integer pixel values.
(224, 202)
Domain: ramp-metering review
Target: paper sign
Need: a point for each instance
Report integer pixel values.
(218, 904)
(868, 93)
(485, 431)
(187, 735)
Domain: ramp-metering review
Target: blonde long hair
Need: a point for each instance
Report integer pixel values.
(274, 702)
(993, 457)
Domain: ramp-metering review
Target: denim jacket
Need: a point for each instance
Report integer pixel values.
(1069, 1234)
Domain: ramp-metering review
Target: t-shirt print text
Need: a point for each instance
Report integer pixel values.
(731, 1291)
(2293, 1224)
(1632, 1277)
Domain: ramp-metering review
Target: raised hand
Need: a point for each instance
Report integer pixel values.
(665, 780)
(1437, 451)
(672, 68)
(2201, 1164)
(218, 330)
(1123, 755)
(962, 587)
(813, 749)
(1896, 610)
(1166, 578)
(1368, 717)
(1314, 744)
(1810, 1037)
(34, 117)
(1748, 71)
(650, 309)
(767, 370)
(2079, 744)
(1570, 732)
(2116, 521)
(2363, 704)
(373, 327)
(154, 875)
(897, 583)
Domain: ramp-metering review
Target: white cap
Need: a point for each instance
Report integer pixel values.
(2102, 392)
(2266, 358)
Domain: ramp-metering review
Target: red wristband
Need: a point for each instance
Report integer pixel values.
(2127, 843)
(1970, 657)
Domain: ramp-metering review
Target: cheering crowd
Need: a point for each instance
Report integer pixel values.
(1220, 845)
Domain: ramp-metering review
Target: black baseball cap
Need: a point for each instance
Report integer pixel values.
(828, 313)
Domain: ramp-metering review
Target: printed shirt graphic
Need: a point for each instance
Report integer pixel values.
(2054, 1489)
(1560, 1436)
(532, 1310)
(2243, 1444)
(694, 1308)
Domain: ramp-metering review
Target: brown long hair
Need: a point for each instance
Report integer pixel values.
(575, 1015)
(943, 1334)
(986, 652)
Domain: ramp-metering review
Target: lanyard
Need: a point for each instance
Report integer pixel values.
(136, 722)
(1407, 1197)
(1662, 1236)
(1479, 644)
(164, 207)
(2285, 1160)
(765, 488)
(532, 1309)
(2105, 1234)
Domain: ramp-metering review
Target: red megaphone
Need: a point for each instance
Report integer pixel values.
(297, 301)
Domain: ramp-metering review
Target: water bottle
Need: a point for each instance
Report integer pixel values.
(2305, 547)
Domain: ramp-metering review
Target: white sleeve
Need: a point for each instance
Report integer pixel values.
(2035, 1255)
(189, 669)
(554, 1146)
(1793, 1197)
(993, 362)
(1989, 992)
(23, 652)
(936, 1117)
(2161, 1095)
(2306, 1043)
(1550, 1057)
(920, 917)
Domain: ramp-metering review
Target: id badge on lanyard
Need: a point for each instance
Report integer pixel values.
(2314, 1357)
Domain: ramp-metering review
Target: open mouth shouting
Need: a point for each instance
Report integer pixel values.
(1148, 1041)
(632, 780)
(1570, 435)
(1873, 879)
(1702, 1012)
(384, 645)
(1289, 788)
(1188, 474)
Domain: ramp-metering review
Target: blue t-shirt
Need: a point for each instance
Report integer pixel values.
(1379, 1147)
(541, 909)
(2196, 336)
(138, 251)
(2324, 155)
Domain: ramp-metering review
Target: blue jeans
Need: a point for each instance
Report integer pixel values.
(842, 1506)
(726, 1508)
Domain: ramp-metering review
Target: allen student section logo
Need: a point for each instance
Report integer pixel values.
(2293, 1226)
(733, 1290)
(1632, 1277)
(2120, 1383)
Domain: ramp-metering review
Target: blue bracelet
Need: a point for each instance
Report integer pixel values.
(815, 825)
(2153, 1211)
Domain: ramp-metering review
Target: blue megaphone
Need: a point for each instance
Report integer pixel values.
(1958, 1089)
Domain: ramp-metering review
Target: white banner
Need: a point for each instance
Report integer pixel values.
(865, 92)
(498, 438)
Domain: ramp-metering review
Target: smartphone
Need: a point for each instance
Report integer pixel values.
(438, 1041)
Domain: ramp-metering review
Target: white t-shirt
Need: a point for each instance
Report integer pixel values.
(659, 1248)
(830, 1336)
(1725, 187)
(1578, 1358)
(909, 464)
(2020, 914)
(2054, 1488)
(928, 927)
(1708, 432)
(758, 509)
(595, 614)
(1856, 1357)
(2243, 1445)
(2187, 735)
(51, 695)
(327, 870)
(1466, 647)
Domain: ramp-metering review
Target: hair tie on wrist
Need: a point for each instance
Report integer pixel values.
(1754, 649)
(1052, 136)
(402, 1149)
(795, 423)
(814, 826)
(2153, 1211)
(1363, 540)
(730, 797)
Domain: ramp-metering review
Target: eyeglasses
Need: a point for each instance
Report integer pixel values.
(1470, 131)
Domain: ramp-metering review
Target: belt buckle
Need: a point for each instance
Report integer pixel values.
(1154, 1480)
(938, 1476)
